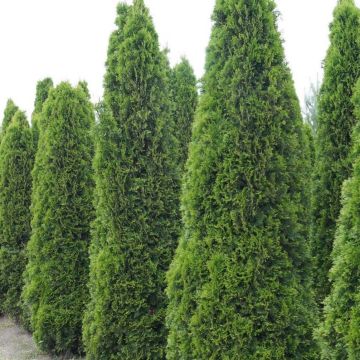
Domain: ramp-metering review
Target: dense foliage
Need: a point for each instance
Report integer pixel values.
(9, 112)
(184, 99)
(340, 332)
(239, 285)
(57, 271)
(43, 88)
(16, 162)
(335, 123)
(136, 227)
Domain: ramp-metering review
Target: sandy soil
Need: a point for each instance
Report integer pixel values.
(16, 343)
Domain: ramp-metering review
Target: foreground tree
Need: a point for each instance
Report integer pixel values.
(184, 98)
(9, 112)
(16, 162)
(340, 332)
(136, 228)
(335, 123)
(57, 271)
(239, 286)
(43, 88)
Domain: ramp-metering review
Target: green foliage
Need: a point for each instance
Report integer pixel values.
(57, 271)
(339, 333)
(184, 98)
(311, 107)
(136, 227)
(9, 112)
(16, 162)
(239, 286)
(336, 119)
(43, 88)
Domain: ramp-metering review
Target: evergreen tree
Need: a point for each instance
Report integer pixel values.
(16, 162)
(43, 88)
(184, 98)
(57, 271)
(9, 112)
(136, 228)
(239, 286)
(336, 119)
(340, 331)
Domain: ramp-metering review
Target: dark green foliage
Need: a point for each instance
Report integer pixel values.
(43, 88)
(9, 112)
(16, 162)
(184, 98)
(340, 332)
(57, 271)
(239, 286)
(136, 228)
(336, 119)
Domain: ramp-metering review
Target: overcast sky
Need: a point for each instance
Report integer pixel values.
(67, 40)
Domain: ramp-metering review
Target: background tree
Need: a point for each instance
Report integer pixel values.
(57, 271)
(333, 141)
(9, 112)
(239, 286)
(43, 88)
(136, 227)
(184, 98)
(16, 162)
(311, 106)
(340, 331)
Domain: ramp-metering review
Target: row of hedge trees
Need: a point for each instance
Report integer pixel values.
(139, 230)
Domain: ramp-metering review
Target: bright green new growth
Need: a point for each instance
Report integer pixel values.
(57, 271)
(136, 227)
(335, 123)
(16, 162)
(339, 334)
(239, 286)
(184, 99)
(43, 88)
(9, 112)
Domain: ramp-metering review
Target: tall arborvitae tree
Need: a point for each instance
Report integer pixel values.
(340, 332)
(16, 162)
(43, 88)
(239, 286)
(335, 122)
(57, 271)
(136, 227)
(184, 99)
(9, 112)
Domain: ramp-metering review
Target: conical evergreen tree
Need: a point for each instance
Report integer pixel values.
(9, 112)
(57, 271)
(336, 119)
(239, 284)
(340, 332)
(136, 227)
(43, 88)
(184, 98)
(16, 162)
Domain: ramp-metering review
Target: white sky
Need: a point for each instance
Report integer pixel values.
(67, 40)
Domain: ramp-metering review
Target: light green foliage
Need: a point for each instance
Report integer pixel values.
(184, 98)
(239, 286)
(43, 88)
(9, 112)
(336, 119)
(16, 162)
(136, 227)
(57, 271)
(339, 333)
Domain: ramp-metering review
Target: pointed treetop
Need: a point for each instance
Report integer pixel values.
(83, 85)
(9, 112)
(19, 119)
(42, 92)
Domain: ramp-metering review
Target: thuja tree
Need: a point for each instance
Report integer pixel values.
(339, 333)
(57, 271)
(239, 285)
(9, 112)
(184, 99)
(335, 122)
(136, 225)
(43, 88)
(16, 162)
